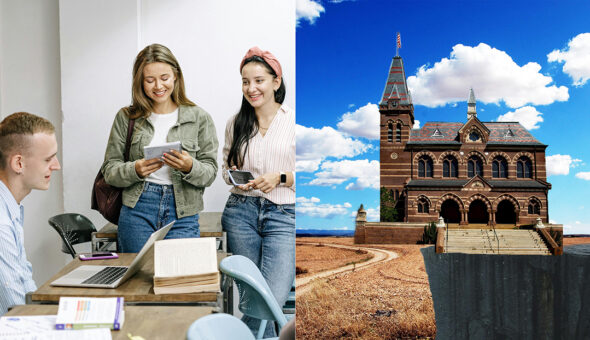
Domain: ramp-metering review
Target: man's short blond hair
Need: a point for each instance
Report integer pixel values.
(15, 130)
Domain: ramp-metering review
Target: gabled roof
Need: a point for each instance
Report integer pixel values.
(499, 134)
(396, 86)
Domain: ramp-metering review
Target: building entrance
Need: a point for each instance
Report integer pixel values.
(505, 213)
(449, 210)
(478, 212)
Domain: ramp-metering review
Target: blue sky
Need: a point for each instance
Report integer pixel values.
(527, 61)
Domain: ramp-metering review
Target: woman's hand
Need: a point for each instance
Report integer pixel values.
(179, 161)
(145, 167)
(266, 183)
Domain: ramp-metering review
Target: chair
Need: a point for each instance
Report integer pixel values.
(219, 327)
(73, 229)
(289, 306)
(256, 299)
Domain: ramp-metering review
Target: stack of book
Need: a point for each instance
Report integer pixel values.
(187, 265)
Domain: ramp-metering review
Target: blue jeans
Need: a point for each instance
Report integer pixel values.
(264, 232)
(154, 210)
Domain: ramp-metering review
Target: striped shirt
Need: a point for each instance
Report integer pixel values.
(16, 274)
(273, 152)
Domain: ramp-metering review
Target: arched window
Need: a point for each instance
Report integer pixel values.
(390, 132)
(524, 168)
(534, 208)
(425, 167)
(450, 167)
(499, 168)
(474, 166)
(423, 206)
(398, 133)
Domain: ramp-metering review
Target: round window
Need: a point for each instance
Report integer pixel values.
(474, 136)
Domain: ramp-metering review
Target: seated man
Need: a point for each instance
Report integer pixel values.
(28, 151)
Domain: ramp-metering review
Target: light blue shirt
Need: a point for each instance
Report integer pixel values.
(16, 274)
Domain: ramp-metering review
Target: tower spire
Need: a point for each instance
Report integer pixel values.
(471, 112)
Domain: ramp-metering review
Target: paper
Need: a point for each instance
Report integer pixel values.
(157, 151)
(30, 323)
(42, 327)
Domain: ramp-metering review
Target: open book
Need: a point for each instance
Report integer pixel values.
(187, 265)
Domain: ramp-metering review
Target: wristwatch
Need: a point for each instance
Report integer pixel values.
(283, 178)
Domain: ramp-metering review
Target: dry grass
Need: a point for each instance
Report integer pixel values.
(313, 258)
(568, 241)
(386, 301)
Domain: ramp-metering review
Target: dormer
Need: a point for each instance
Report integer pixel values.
(474, 132)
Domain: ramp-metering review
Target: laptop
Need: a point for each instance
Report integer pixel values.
(110, 276)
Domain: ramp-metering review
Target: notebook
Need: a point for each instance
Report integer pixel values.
(110, 276)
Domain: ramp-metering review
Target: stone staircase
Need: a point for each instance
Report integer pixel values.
(503, 241)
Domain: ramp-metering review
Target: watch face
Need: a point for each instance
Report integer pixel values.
(283, 178)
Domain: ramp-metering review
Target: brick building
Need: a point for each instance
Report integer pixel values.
(467, 172)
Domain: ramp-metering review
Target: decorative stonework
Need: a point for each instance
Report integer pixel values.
(393, 155)
(451, 197)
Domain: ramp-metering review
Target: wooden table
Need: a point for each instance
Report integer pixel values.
(138, 289)
(150, 322)
(209, 226)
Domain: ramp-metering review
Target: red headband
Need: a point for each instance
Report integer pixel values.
(270, 59)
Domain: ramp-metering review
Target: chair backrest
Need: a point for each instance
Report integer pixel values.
(219, 327)
(73, 229)
(256, 298)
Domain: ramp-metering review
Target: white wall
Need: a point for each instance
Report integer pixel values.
(70, 62)
(29, 81)
(99, 42)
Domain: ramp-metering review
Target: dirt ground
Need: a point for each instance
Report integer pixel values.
(316, 258)
(568, 241)
(386, 301)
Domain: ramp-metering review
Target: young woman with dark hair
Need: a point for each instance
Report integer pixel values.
(158, 191)
(259, 216)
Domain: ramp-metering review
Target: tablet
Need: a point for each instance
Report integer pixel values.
(238, 177)
(157, 151)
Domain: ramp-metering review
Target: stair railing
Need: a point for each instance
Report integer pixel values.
(497, 238)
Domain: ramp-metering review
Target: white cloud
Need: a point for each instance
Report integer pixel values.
(583, 175)
(308, 10)
(313, 145)
(528, 116)
(493, 75)
(576, 58)
(307, 166)
(416, 124)
(333, 173)
(364, 122)
(310, 207)
(577, 228)
(560, 164)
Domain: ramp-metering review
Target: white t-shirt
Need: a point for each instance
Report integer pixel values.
(162, 123)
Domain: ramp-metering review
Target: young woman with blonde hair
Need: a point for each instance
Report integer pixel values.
(158, 191)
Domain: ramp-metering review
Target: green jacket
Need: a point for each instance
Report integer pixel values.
(196, 132)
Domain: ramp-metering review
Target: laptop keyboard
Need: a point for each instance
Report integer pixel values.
(107, 275)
